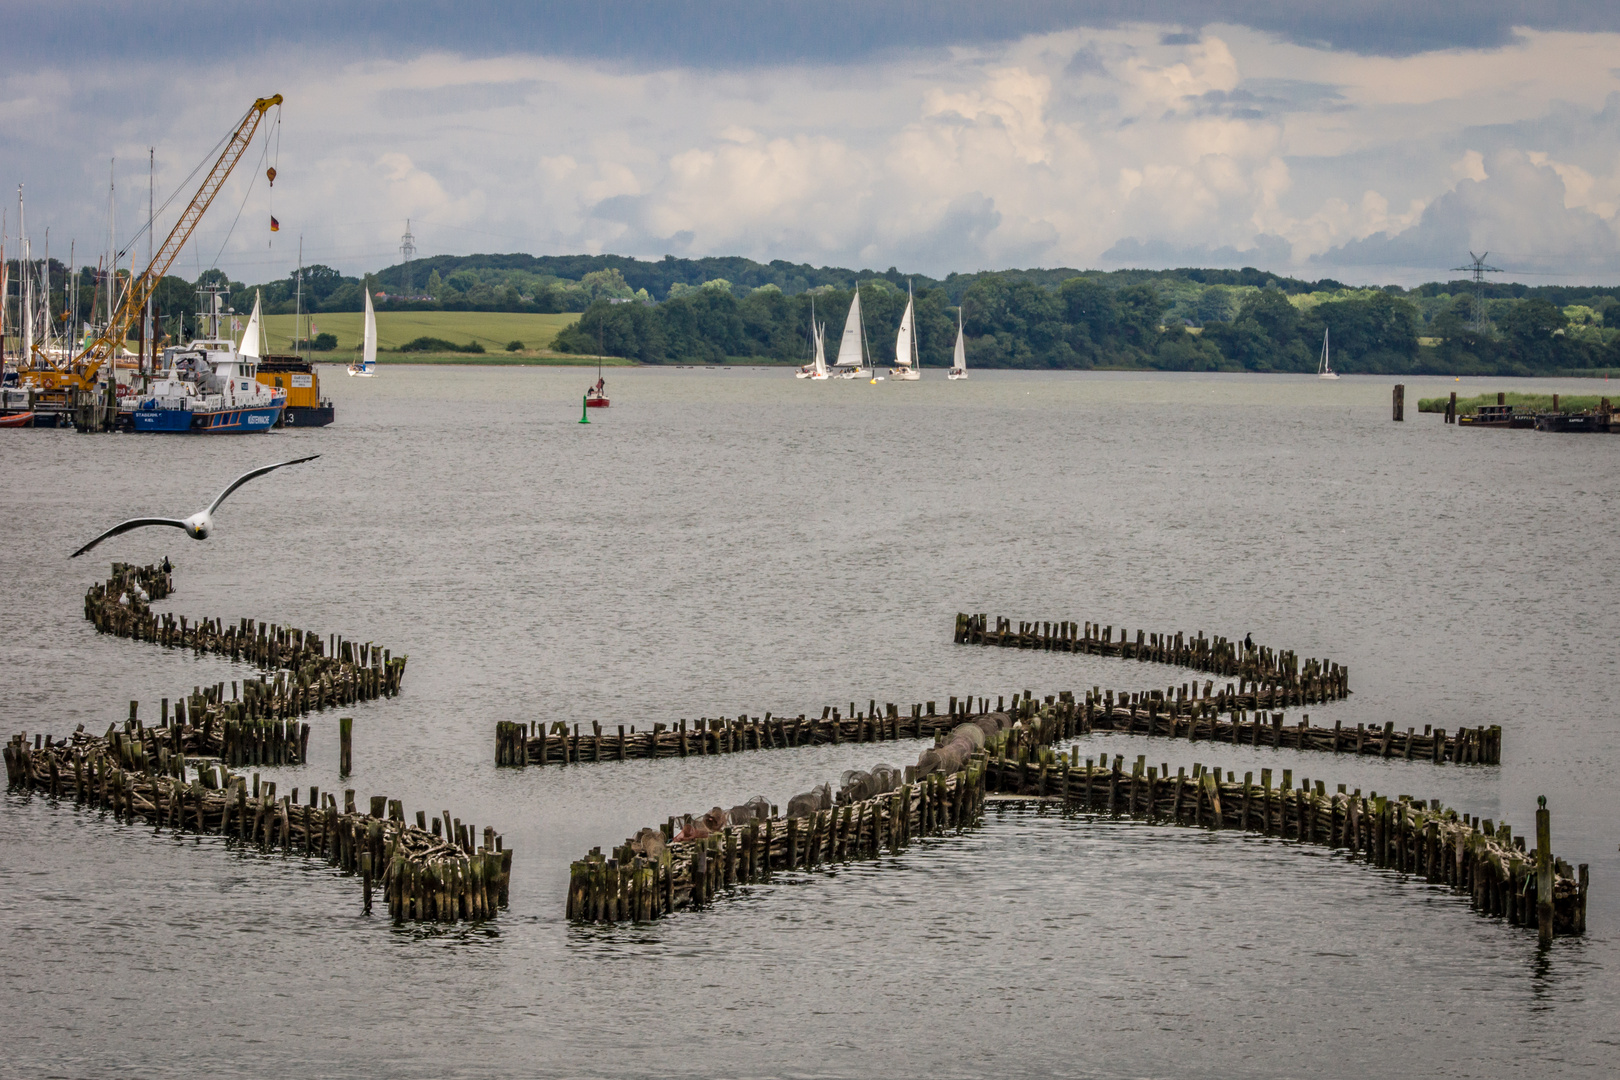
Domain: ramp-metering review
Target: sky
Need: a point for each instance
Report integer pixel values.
(1378, 142)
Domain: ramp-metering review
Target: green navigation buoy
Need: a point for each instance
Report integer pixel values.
(584, 411)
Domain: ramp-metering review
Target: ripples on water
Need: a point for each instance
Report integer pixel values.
(720, 541)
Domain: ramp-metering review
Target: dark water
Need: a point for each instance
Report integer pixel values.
(720, 541)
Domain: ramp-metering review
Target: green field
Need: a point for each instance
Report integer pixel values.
(491, 329)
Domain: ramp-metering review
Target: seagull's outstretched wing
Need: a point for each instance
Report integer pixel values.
(245, 477)
(132, 523)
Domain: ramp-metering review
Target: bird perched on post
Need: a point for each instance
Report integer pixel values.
(199, 525)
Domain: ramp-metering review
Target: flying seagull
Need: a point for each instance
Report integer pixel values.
(198, 525)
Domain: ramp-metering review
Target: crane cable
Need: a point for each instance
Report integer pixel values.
(263, 154)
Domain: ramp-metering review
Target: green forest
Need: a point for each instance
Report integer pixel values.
(720, 310)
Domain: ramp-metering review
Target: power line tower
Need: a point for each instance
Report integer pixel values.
(1479, 323)
(407, 248)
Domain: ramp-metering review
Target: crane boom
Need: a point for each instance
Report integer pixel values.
(86, 365)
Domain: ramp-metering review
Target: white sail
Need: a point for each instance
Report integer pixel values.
(368, 358)
(850, 353)
(821, 348)
(902, 341)
(959, 357)
(249, 348)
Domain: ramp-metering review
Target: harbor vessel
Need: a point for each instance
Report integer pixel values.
(209, 388)
(295, 375)
(301, 380)
(907, 361)
(1324, 370)
(959, 357)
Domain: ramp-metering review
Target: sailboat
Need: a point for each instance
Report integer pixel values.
(596, 397)
(817, 368)
(367, 367)
(907, 362)
(851, 363)
(252, 336)
(1323, 371)
(959, 358)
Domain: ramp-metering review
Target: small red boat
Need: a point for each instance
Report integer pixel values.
(24, 419)
(596, 397)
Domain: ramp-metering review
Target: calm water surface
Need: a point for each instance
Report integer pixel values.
(737, 540)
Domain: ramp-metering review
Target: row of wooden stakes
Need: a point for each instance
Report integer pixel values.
(635, 884)
(654, 873)
(427, 874)
(312, 672)
(1164, 713)
(1313, 680)
(535, 743)
(1414, 836)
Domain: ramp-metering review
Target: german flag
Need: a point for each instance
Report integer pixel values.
(275, 226)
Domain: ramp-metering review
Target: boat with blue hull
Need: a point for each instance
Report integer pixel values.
(222, 422)
(208, 388)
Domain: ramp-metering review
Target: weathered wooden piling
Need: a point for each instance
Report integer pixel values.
(312, 672)
(1413, 836)
(1400, 402)
(132, 776)
(641, 880)
(1307, 681)
(556, 742)
(346, 751)
(1244, 716)
(653, 874)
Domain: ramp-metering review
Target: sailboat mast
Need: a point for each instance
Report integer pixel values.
(865, 349)
(916, 352)
(149, 332)
(25, 298)
(112, 242)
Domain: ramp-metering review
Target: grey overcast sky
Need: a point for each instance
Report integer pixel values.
(1370, 141)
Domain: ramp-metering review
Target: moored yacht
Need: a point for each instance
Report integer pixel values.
(907, 361)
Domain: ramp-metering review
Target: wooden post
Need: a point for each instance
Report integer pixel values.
(365, 874)
(346, 733)
(1544, 873)
(1400, 401)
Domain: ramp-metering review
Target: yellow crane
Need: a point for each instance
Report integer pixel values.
(80, 372)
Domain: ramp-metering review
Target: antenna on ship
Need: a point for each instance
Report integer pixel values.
(1479, 323)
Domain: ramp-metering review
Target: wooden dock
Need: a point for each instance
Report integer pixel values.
(426, 874)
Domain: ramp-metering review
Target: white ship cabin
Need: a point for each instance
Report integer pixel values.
(216, 368)
(227, 363)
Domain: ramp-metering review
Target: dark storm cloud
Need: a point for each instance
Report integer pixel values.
(731, 33)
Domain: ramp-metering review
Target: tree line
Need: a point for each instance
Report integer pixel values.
(1014, 322)
(667, 311)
